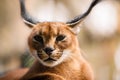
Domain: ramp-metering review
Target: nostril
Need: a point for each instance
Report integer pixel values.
(48, 50)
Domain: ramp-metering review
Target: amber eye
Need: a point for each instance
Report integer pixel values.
(60, 37)
(38, 38)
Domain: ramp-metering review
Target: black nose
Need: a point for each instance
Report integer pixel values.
(48, 50)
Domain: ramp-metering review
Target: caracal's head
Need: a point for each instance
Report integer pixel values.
(53, 42)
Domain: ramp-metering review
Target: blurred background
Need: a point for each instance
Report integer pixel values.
(99, 37)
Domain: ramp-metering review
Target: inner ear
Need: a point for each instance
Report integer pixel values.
(76, 28)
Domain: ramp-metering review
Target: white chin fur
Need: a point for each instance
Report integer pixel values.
(54, 63)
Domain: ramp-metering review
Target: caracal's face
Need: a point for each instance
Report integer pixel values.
(52, 43)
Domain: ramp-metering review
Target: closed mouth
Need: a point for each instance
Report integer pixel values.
(47, 58)
(50, 59)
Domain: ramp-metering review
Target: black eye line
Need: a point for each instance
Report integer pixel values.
(38, 38)
(60, 37)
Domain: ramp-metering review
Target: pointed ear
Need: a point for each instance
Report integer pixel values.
(75, 22)
(76, 28)
(27, 18)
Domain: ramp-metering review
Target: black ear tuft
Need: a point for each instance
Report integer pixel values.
(80, 18)
(28, 19)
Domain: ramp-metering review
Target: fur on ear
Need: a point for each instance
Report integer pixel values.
(76, 28)
(28, 23)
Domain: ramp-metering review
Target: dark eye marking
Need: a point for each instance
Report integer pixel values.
(38, 38)
(60, 37)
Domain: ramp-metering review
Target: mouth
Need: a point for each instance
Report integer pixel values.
(50, 59)
(45, 57)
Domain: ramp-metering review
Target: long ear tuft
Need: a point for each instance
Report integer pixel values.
(28, 19)
(80, 18)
